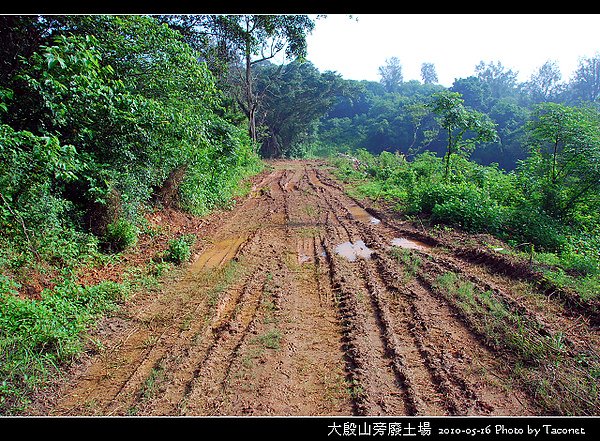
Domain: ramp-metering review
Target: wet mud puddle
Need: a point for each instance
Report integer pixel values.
(362, 215)
(352, 251)
(402, 242)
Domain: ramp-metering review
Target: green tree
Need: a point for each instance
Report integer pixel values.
(475, 92)
(428, 73)
(544, 84)
(502, 82)
(457, 120)
(371, 118)
(565, 155)
(509, 148)
(20, 35)
(424, 130)
(585, 85)
(293, 103)
(391, 74)
(253, 39)
(138, 105)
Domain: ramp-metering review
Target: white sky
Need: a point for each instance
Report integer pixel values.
(454, 43)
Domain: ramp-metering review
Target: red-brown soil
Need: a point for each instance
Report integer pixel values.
(268, 319)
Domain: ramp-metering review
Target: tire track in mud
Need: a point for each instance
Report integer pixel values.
(184, 366)
(437, 386)
(272, 318)
(210, 382)
(306, 363)
(546, 319)
(558, 330)
(373, 314)
(447, 346)
(195, 389)
(202, 394)
(114, 379)
(376, 381)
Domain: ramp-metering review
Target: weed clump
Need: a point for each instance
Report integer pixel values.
(180, 249)
(120, 235)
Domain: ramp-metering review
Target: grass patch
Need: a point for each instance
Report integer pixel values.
(568, 270)
(408, 260)
(311, 210)
(271, 339)
(152, 383)
(309, 232)
(268, 303)
(38, 336)
(561, 383)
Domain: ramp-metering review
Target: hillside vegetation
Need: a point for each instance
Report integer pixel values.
(102, 118)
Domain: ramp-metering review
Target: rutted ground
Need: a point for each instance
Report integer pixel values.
(276, 315)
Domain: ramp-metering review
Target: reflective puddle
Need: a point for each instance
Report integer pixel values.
(362, 215)
(352, 251)
(402, 242)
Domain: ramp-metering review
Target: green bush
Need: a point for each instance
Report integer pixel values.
(473, 213)
(120, 235)
(582, 254)
(583, 264)
(527, 223)
(180, 249)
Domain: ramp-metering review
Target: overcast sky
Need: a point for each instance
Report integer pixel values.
(356, 47)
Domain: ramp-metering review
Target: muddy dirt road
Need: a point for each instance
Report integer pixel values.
(299, 303)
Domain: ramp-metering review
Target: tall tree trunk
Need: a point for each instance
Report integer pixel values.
(448, 153)
(250, 99)
(554, 161)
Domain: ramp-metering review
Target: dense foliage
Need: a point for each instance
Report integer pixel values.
(294, 98)
(100, 118)
(377, 116)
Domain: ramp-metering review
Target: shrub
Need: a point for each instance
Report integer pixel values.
(581, 263)
(120, 235)
(531, 224)
(37, 335)
(179, 250)
(474, 213)
(582, 254)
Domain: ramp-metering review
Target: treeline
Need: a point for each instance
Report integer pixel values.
(546, 133)
(392, 115)
(301, 111)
